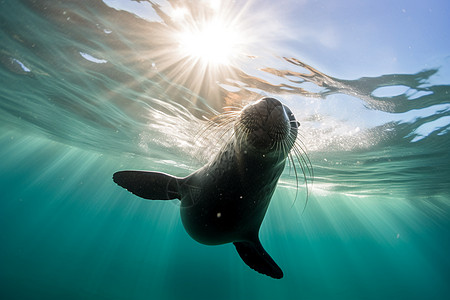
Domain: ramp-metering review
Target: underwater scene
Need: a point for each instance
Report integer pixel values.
(90, 88)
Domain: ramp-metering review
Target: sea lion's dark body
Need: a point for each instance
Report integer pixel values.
(236, 189)
(226, 200)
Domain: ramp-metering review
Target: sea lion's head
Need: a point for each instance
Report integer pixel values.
(267, 126)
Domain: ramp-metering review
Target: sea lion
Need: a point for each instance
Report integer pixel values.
(226, 200)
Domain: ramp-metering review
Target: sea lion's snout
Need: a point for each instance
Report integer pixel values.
(268, 125)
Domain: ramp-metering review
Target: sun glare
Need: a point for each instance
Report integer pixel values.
(212, 43)
(202, 44)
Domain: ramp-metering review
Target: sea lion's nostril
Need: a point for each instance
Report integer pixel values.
(271, 102)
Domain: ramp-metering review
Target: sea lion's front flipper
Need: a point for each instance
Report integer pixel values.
(149, 185)
(254, 255)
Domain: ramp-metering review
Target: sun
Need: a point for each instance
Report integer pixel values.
(206, 44)
(200, 45)
(214, 42)
(211, 34)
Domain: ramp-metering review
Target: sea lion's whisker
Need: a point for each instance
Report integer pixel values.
(296, 177)
(305, 158)
(305, 166)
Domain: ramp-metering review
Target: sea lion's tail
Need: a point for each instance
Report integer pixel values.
(149, 185)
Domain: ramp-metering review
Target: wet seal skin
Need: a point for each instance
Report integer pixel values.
(226, 200)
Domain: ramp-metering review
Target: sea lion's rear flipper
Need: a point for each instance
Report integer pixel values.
(254, 255)
(149, 185)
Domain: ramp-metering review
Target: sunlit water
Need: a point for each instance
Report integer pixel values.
(92, 87)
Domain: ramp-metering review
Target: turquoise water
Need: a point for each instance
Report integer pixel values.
(91, 87)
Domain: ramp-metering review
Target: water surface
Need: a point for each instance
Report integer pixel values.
(92, 87)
